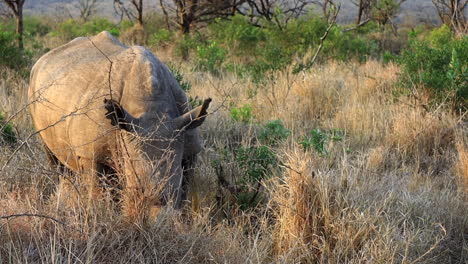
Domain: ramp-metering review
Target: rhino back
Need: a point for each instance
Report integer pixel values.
(68, 86)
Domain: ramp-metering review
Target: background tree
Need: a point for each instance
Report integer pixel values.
(87, 8)
(383, 11)
(189, 13)
(16, 7)
(133, 10)
(453, 14)
(278, 12)
(364, 11)
(328, 8)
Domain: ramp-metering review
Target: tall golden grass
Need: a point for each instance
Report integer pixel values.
(390, 192)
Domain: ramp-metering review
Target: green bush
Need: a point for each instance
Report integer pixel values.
(70, 29)
(162, 37)
(185, 85)
(257, 163)
(10, 55)
(273, 132)
(35, 27)
(6, 131)
(319, 139)
(438, 62)
(237, 34)
(210, 58)
(242, 114)
(260, 52)
(184, 45)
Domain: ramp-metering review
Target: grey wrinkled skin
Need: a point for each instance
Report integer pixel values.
(100, 105)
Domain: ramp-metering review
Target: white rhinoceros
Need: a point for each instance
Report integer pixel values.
(103, 108)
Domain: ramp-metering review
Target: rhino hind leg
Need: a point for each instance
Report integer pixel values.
(109, 181)
(54, 162)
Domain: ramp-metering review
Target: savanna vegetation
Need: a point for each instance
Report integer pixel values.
(326, 142)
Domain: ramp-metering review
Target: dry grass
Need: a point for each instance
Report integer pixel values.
(390, 192)
(462, 165)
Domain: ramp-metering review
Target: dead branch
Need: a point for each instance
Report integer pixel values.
(8, 217)
(304, 67)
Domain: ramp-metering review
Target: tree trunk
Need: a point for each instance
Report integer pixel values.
(360, 11)
(19, 26)
(185, 25)
(140, 13)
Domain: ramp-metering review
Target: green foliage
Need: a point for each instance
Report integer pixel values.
(260, 52)
(35, 27)
(162, 37)
(10, 55)
(242, 114)
(273, 132)
(6, 131)
(319, 139)
(185, 85)
(439, 63)
(257, 162)
(383, 10)
(184, 45)
(210, 58)
(70, 29)
(237, 34)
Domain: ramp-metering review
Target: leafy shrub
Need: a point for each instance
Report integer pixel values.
(185, 85)
(10, 55)
(439, 63)
(318, 140)
(257, 164)
(237, 34)
(260, 52)
(184, 45)
(210, 58)
(256, 161)
(70, 29)
(273, 132)
(242, 114)
(35, 27)
(97, 25)
(161, 38)
(6, 131)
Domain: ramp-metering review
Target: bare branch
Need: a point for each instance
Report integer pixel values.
(8, 217)
(303, 67)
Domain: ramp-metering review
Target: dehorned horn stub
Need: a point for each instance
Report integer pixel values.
(194, 118)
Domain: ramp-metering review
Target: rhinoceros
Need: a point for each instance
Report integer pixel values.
(102, 108)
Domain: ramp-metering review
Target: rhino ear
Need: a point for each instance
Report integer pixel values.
(118, 116)
(194, 118)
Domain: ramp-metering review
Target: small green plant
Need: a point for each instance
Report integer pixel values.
(273, 132)
(318, 139)
(257, 164)
(6, 131)
(242, 114)
(185, 85)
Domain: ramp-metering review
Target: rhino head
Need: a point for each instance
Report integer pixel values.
(162, 145)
